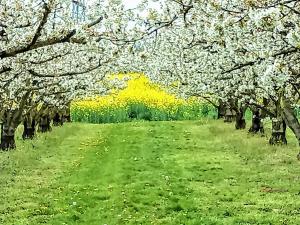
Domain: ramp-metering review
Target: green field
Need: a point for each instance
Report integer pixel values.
(194, 172)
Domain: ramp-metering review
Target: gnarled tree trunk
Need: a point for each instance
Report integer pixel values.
(10, 122)
(67, 114)
(240, 122)
(230, 115)
(278, 132)
(29, 128)
(221, 109)
(291, 120)
(257, 124)
(8, 137)
(58, 119)
(45, 124)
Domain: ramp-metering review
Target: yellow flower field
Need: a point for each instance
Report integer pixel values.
(141, 99)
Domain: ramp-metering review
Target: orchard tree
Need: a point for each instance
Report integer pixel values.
(48, 52)
(241, 53)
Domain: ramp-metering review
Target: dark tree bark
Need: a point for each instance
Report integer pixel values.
(29, 129)
(58, 120)
(278, 132)
(240, 122)
(257, 125)
(230, 115)
(291, 119)
(44, 124)
(11, 120)
(7, 137)
(67, 115)
(221, 110)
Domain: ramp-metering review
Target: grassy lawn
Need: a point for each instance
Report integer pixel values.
(196, 172)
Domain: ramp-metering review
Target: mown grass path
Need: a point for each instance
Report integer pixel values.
(149, 173)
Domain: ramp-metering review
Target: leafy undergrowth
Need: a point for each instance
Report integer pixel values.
(195, 172)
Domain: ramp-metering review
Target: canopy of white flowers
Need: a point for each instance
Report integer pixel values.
(244, 53)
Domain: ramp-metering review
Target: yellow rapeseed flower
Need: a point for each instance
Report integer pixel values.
(139, 90)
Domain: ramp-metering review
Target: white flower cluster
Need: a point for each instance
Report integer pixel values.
(225, 49)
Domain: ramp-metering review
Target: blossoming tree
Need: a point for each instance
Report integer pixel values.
(242, 53)
(47, 58)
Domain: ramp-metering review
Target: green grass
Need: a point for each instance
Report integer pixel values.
(192, 173)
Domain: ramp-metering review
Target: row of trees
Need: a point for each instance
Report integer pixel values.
(236, 54)
(54, 51)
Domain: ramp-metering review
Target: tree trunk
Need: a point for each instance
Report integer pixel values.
(58, 120)
(230, 115)
(240, 122)
(291, 120)
(67, 115)
(257, 125)
(7, 137)
(29, 129)
(11, 120)
(44, 124)
(278, 132)
(221, 110)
